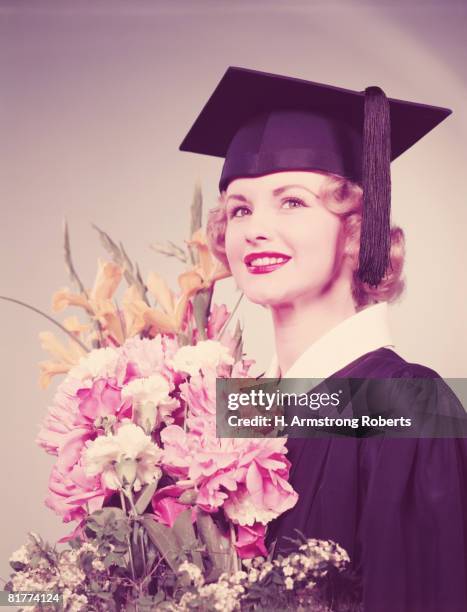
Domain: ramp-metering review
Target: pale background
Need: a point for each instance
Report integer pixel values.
(97, 96)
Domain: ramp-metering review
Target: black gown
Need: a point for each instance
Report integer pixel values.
(398, 506)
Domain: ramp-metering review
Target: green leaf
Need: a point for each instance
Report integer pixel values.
(238, 351)
(147, 603)
(185, 534)
(105, 515)
(145, 497)
(201, 309)
(114, 559)
(165, 540)
(217, 544)
(86, 562)
(196, 211)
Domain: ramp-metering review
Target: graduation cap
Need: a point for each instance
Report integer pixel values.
(263, 123)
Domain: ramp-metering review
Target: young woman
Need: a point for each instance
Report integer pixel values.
(303, 224)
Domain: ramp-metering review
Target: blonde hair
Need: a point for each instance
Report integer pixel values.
(343, 198)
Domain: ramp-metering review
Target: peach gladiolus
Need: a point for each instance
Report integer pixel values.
(134, 307)
(209, 268)
(169, 317)
(64, 357)
(107, 279)
(98, 302)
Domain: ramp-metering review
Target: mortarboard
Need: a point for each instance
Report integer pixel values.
(263, 123)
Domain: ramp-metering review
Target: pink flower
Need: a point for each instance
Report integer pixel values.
(61, 417)
(72, 494)
(217, 320)
(102, 399)
(148, 357)
(264, 492)
(73, 444)
(214, 468)
(250, 541)
(199, 395)
(166, 505)
(247, 477)
(178, 449)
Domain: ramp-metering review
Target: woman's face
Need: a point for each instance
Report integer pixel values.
(282, 243)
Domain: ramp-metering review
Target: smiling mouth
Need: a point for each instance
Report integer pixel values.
(264, 265)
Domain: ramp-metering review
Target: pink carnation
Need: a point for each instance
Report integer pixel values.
(250, 541)
(62, 417)
(247, 477)
(217, 319)
(166, 506)
(148, 357)
(178, 449)
(72, 494)
(102, 399)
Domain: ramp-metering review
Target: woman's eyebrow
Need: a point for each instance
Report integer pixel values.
(280, 190)
(236, 196)
(276, 192)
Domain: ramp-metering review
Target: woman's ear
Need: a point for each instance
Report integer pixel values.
(352, 253)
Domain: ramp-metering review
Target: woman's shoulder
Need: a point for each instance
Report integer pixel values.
(385, 363)
(384, 381)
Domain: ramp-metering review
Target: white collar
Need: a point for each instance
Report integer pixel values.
(357, 335)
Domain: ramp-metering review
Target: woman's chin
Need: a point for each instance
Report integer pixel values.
(268, 298)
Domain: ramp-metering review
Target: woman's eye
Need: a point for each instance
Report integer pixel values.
(296, 201)
(242, 211)
(235, 210)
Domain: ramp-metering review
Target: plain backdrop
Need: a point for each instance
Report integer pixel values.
(96, 98)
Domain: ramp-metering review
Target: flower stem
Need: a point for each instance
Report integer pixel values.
(129, 496)
(234, 552)
(226, 324)
(143, 550)
(122, 501)
(51, 319)
(130, 555)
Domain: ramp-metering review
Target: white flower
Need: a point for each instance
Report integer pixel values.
(98, 565)
(205, 354)
(74, 602)
(154, 389)
(20, 556)
(99, 363)
(193, 571)
(105, 453)
(240, 508)
(288, 570)
(151, 401)
(70, 574)
(253, 575)
(88, 547)
(289, 584)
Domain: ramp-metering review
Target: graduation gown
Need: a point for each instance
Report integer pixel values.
(398, 506)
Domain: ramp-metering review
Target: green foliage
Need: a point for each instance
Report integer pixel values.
(110, 528)
(144, 498)
(217, 545)
(165, 541)
(201, 309)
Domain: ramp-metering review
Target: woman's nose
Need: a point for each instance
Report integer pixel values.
(259, 227)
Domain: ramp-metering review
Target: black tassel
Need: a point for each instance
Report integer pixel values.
(375, 239)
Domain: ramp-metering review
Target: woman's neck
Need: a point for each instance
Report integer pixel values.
(299, 324)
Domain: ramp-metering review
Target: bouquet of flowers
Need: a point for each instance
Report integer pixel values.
(166, 515)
